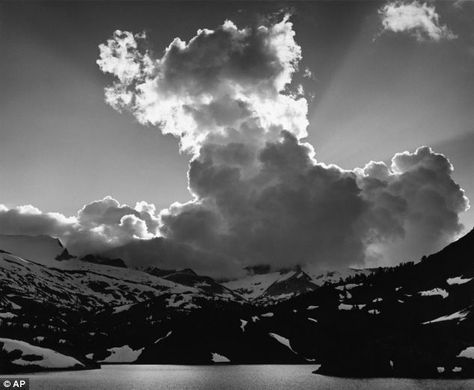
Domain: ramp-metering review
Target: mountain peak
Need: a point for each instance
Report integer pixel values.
(187, 271)
(42, 248)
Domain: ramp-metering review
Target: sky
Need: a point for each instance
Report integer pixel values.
(379, 79)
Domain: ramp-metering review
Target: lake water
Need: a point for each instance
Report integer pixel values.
(171, 377)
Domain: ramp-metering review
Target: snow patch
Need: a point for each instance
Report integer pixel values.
(312, 307)
(457, 369)
(348, 286)
(182, 301)
(7, 315)
(269, 314)
(120, 309)
(282, 340)
(123, 354)
(218, 358)
(242, 324)
(312, 319)
(282, 297)
(457, 280)
(15, 306)
(49, 358)
(345, 306)
(164, 337)
(440, 370)
(467, 353)
(459, 315)
(433, 292)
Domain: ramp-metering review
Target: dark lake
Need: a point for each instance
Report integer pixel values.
(153, 377)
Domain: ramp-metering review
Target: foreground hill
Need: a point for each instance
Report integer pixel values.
(413, 320)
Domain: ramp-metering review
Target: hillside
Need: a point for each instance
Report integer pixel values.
(413, 320)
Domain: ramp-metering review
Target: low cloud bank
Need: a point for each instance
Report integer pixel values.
(97, 226)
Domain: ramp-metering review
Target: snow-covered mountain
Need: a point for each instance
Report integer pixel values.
(90, 286)
(268, 288)
(272, 287)
(412, 320)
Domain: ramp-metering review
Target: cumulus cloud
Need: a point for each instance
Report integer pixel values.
(290, 211)
(227, 78)
(420, 20)
(259, 196)
(96, 227)
(414, 205)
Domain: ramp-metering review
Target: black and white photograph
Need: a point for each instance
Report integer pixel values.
(236, 195)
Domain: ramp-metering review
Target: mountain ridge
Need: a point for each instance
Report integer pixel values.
(412, 320)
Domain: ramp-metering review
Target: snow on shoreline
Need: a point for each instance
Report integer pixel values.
(467, 353)
(123, 354)
(218, 358)
(47, 358)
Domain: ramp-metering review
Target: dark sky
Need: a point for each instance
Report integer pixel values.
(61, 146)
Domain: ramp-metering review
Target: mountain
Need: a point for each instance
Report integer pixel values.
(272, 287)
(103, 260)
(43, 249)
(413, 320)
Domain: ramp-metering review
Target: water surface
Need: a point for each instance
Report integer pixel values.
(232, 377)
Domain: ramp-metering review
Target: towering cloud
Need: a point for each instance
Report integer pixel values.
(259, 194)
(222, 81)
(414, 205)
(417, 19)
